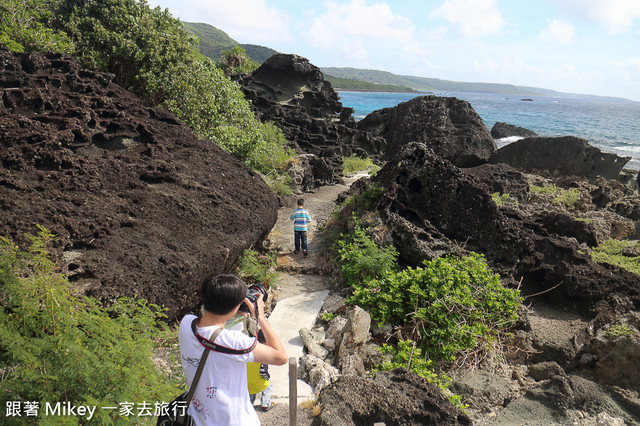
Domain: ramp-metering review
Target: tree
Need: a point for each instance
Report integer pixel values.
(236, 61)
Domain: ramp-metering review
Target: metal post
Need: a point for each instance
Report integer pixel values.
(293, 391)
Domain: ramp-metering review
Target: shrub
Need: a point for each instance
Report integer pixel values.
(361, 259)
(407, 355)
(353, 164)
(256, 268)
(453, 305)
(56, 346)
(611, 252)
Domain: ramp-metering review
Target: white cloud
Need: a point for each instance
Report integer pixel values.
(558, 32)
(474, 17)
(247, 21)
(357, 20)
(617, 15)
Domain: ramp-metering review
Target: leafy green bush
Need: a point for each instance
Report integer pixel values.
(611, 252)
(24, 27)
(236, 61)
(353, 164)
(56, 346)
(454, 305)
(361, 259)
(256, 268)
(407, 355)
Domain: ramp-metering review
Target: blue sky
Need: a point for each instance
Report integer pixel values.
(577, 46)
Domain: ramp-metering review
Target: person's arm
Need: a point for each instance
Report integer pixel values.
(272, 351)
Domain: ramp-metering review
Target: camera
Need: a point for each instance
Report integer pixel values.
(255, 290)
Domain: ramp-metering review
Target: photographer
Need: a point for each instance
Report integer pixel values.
(221, 396)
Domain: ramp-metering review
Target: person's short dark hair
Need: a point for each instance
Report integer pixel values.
(221, 293)
(300, 201)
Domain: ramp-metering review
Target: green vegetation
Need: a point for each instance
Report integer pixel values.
(582, 219)
(424, 84)
(327, 316)
(236, 61)
(618, 330)
(258, 268)
(56, 346)
(566, 197)
(407, 355)
(24, 26)
(455, 306)
(502, 199)
(150, 54)
(214, 41)
(363, 86)
(545, 189)
(362, 259)
(611, 252)
(353, 164)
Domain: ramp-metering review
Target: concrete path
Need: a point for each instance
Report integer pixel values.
(302, 289)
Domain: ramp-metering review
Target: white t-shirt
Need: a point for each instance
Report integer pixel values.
(222, 396)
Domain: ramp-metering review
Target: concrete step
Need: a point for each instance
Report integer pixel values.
(286, 319)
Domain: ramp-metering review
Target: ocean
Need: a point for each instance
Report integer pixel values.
(611, 125)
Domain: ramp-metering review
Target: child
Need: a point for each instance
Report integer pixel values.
(258, 377)
(300, 219)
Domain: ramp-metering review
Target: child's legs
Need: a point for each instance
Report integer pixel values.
(297, 239)
(265, 399)
(303, 237)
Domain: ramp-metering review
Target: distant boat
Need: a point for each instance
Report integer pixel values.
(527, 100)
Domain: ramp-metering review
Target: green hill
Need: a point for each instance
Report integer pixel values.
(424, 84)
(363, 86)
(213, 41)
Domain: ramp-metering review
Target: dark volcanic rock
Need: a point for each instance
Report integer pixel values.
(429, 193)
(449, 126)
(566, 156)
(139, 204)
(503, 130)
(292, 93)
(396, 397)
(503, 179)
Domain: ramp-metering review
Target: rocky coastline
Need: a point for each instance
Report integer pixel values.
(139, 205)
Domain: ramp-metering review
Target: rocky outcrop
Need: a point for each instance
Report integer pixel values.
(502, 179)
(139, 205)
(503, 130)
(565, 156)
(426, 192)
(292, 93)
(449, 126)
(392, 397)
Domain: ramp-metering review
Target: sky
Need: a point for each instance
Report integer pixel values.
(576, 46)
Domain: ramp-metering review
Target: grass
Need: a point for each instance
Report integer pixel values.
(611, 252)
(355, 164)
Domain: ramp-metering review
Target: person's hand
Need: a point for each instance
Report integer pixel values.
(260, 304)
(252, 307)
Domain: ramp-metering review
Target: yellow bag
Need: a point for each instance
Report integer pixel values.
(256, 382)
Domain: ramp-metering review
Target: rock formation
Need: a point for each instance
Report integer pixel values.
(291, 92)
(392, 397)
(449, 126)
(453, 210)
(503, 130)
(139, 205)
(566, 156)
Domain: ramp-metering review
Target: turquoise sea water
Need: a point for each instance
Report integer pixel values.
(613, 126)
